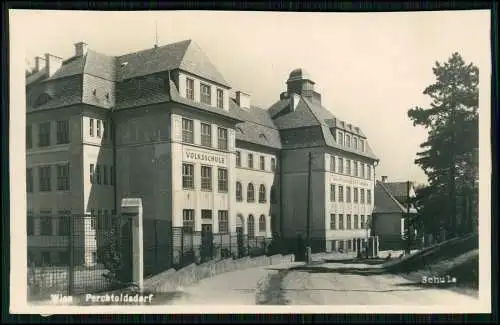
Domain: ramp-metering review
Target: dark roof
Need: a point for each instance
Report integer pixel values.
(386, 202)
(398, 189)
(257, 126)
(185, 55)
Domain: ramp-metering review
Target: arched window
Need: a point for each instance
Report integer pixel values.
(250, 193)
(262, 194)
(273, 195)
(251, 227)
(262, 223)
(239, 190)
(273, 164)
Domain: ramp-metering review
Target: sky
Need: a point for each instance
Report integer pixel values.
(370, 68)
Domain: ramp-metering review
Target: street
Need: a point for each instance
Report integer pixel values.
(320, 284)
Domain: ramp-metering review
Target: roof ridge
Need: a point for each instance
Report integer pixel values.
(149, 49)
(391, 196)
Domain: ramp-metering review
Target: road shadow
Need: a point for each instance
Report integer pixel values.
(344, 270)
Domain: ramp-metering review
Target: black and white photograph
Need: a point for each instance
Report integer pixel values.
(238, 161)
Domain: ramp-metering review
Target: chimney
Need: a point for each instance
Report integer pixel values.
(384, 179)
(243, 99)
(81, 48)
(294, 100)
(53, 63)
(39, 63)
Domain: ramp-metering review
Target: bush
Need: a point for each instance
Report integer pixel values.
(109, 255)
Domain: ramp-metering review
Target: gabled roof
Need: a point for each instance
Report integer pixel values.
(185, 55)
(386, 202)
(398, 189)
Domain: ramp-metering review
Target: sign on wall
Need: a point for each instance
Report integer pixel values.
(204, 157)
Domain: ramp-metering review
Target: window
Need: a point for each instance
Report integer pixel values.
(206, 135)
(98, 128)
(63, 177)
(94, 257)
(250, 160)
(222, 173)
(250, 193)
(189, 88)
(92, 219)
(62, 128)
(348, 194)
(341, 194)
(262, 163)
(340, 138)
(188, 221)
(362, 170)
(239, 190)
(44, 134)
(29, 137)
(362, 145)
(187, 131)
(356, 221)
(273, 164)
(369, 196)
(98, 174)
(91, 127)
(45, 258)
(355, 143)
(348, 166)
(332, 193)
(111, 175)
(341, 165)
(105, 175)
(206, 178)
(262, 223)
(362, 224)
(223, 222)
(349, 244)
(238, 159)
(205, 94)
(107, 221)
(262, 194)
(251, 226)
(349, 221)
(45, 224)
(30, 224)
(333, 222)
(355, 195)
(356, 168)
(220, 98)
(91, 173)
(332, 164)
(187, 176)
(29, 180)
(104, 130)
(369, 171)
(222, 138)
(64, 223)
(341, 221)
(362, 196)
(206, 214)
(44, 178)
(347, 140)
(273, 195)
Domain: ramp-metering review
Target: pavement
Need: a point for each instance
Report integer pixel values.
(334, 283)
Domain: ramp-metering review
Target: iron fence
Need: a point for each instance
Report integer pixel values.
(67, 253)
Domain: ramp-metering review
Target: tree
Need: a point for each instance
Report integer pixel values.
(448, 155)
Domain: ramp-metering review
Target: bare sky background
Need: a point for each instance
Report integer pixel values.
(369, 67)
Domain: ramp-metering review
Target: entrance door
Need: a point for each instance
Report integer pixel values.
(207, 242)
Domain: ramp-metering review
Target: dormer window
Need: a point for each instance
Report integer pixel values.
(362, 145)
(220, 98)
(205, 94)
(347, 140)
(340, 138)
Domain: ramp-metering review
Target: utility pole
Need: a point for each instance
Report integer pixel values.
(408, 217)
(309, 190)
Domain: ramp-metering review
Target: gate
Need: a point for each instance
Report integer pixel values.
(126, 242)
(207, 243)
(300, 253)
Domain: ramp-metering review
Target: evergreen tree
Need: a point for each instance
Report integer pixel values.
(448, 155)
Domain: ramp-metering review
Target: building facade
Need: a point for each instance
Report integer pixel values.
(162, 124)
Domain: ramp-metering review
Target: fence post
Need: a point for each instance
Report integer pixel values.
(71, 271)
(156, 266)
